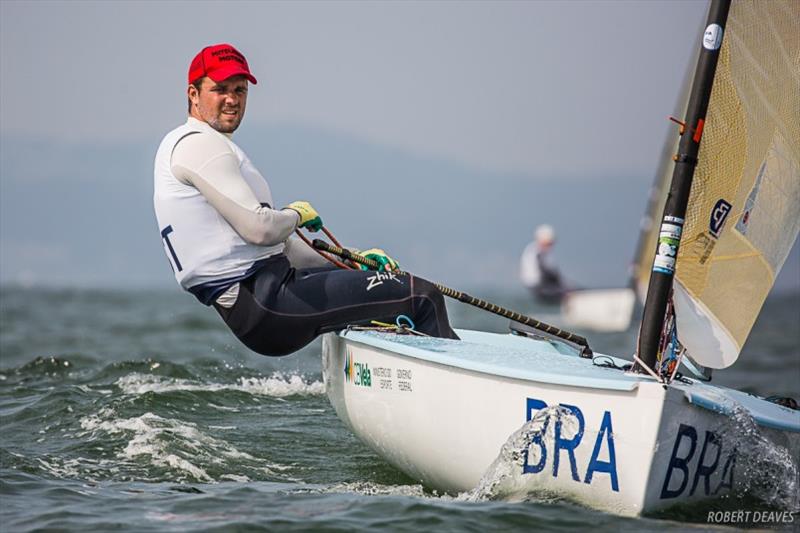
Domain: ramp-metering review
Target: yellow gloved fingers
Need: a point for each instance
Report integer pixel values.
(385, 262)
(309, 218)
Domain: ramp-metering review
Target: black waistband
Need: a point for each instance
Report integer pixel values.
(209, 291)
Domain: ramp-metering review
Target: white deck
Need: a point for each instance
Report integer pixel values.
(523, 358)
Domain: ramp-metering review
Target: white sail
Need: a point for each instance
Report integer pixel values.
(744, 209)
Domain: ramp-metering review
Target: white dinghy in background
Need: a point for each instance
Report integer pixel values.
(601, 310)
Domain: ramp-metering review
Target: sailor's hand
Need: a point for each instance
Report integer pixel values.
(385, 263)
(309, 218)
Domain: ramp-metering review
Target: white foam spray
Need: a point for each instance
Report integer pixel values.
(277, 385)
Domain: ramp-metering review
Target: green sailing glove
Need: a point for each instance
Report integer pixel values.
(376, 254)
(309, 218)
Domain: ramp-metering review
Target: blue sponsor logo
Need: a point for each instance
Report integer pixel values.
(685, 464)
(718, 216)
(566, 447)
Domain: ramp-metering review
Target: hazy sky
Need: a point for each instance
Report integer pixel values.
(441, 131)
(542, 88)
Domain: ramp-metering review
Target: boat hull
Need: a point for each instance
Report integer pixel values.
(626, 447)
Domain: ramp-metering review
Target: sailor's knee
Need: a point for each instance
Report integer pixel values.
(429, 291)
(272, 348)
(275, 341)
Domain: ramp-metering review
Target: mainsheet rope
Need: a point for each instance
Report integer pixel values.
(336, 249)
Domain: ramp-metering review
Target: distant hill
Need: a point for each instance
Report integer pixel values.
(75, 214)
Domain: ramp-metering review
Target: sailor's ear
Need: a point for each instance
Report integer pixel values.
(192, 92)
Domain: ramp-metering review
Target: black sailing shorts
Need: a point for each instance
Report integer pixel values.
(280, 309)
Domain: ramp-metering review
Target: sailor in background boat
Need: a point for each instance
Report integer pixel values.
(538, 270)
(229, 247)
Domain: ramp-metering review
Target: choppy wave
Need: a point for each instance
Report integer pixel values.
(769, 469)
(276, 386)
(503, 480)
(129, 411)
(180, 446)
(377, 489)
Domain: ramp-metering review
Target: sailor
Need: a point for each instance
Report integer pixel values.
(233, 249)
(538, 270)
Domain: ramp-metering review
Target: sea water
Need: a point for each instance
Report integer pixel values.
(139, 411)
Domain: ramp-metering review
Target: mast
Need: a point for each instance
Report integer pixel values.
(663, 272)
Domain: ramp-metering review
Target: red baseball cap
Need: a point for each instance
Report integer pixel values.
(219, 62)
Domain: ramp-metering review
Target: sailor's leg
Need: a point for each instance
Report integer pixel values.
(334, 299)
(277, 318)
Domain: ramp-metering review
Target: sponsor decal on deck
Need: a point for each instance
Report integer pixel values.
(383, 377)
(355, 372)
(391, 379)
(404, 380)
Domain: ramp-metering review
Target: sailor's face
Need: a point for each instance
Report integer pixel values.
(220, 104)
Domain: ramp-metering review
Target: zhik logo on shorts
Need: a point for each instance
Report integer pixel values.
(380, 277)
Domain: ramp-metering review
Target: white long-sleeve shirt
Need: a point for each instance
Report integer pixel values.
(216, 214)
